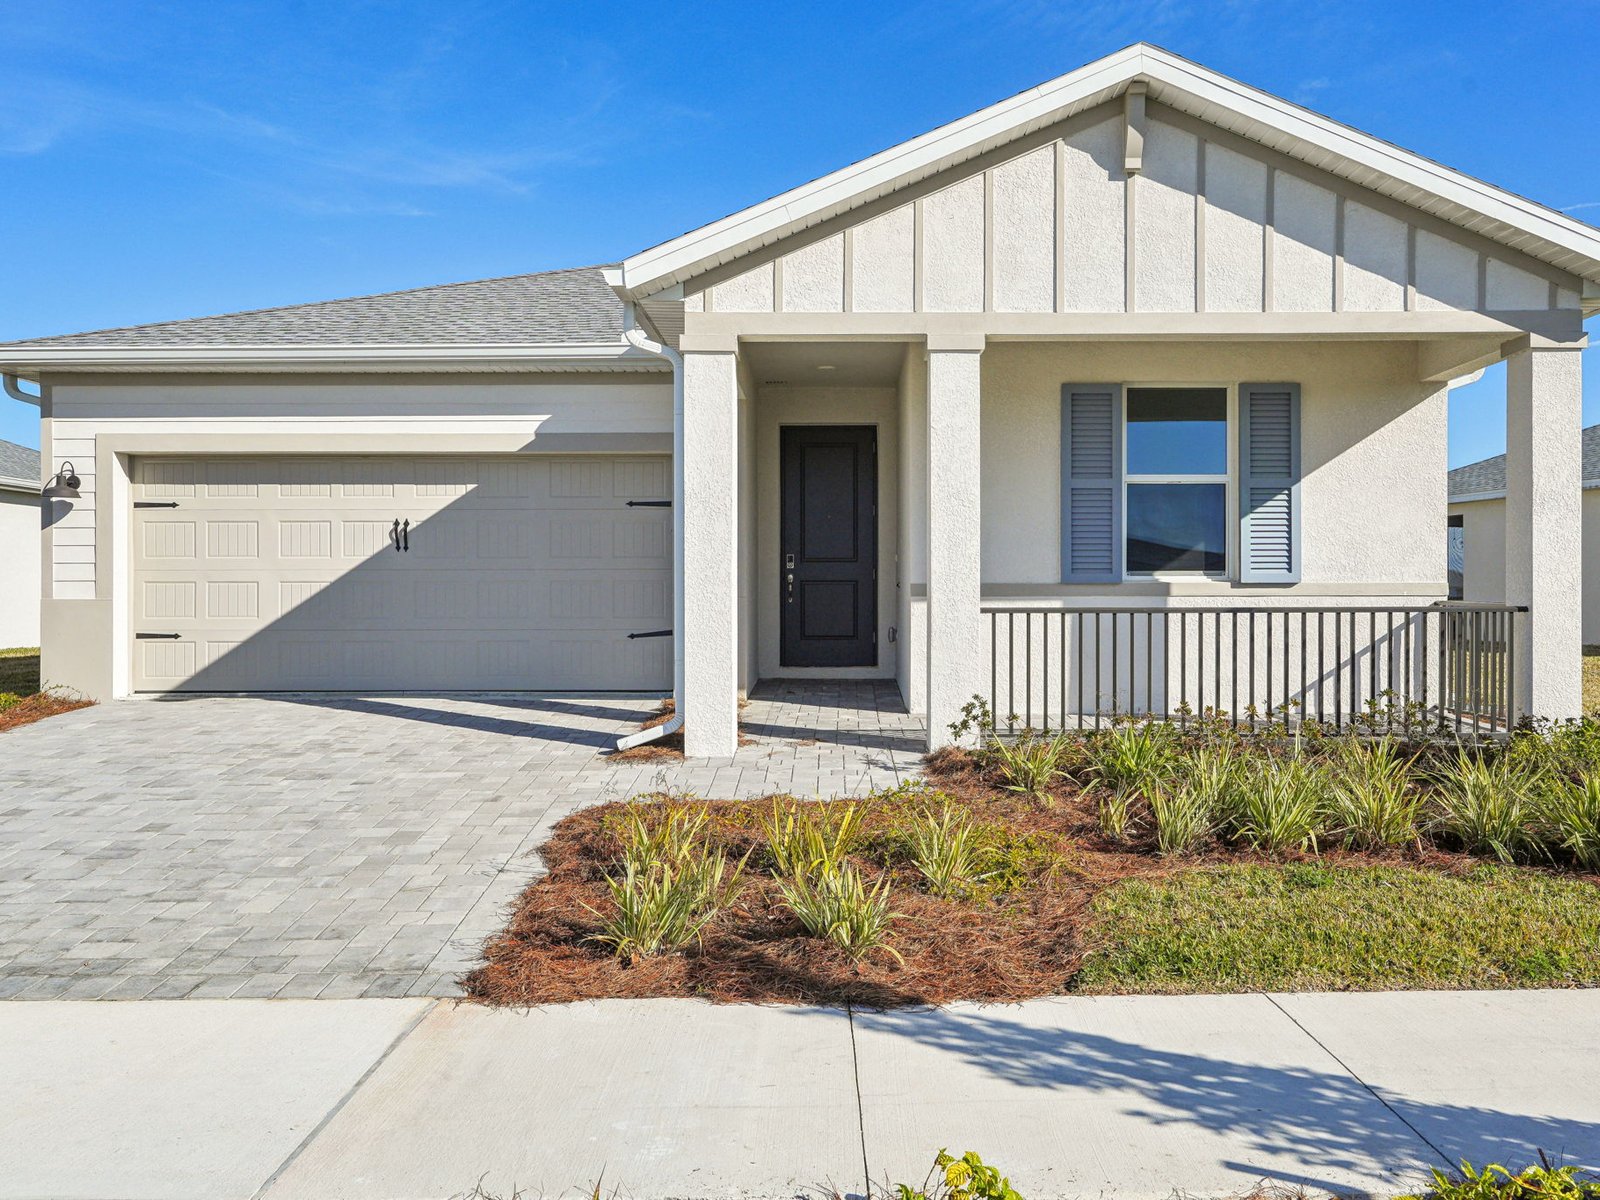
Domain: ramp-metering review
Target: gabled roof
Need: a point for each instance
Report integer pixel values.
(1518, 223)
(1486, 480)
(571, 307)
(19, 466)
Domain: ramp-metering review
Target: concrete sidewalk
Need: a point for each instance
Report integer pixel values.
(1132, 1096)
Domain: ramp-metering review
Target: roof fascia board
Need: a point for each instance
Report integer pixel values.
(37, 356)
(1589, 485)
(1176, 82)
(11, 484)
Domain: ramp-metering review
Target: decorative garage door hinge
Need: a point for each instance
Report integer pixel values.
(155, 504)
(158, 637)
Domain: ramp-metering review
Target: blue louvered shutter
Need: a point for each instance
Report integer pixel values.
(1091, 482)
(1269, 483)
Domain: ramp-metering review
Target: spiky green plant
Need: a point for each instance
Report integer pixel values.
(1487, 806)
(1280, 806)
(808, 836)
(1183, 814)
(1030, 763)
(669, 837)
(945, 850)
(836, 904)
(1372, 802)
(1132, 758)
(665, 906)
(1570, 813)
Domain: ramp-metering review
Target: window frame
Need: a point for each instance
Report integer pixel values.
(1228, 479)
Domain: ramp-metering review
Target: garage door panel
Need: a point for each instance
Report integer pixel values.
(282, 574)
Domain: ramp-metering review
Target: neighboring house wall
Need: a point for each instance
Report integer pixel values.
(100, 422)
(1483, 526)
(19, 568)
(1043, 227)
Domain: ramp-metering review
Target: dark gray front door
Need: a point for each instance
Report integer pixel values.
(828, 572)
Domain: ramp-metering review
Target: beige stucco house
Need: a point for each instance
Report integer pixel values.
(1478, 517)
(1126, 393)
(19, 545)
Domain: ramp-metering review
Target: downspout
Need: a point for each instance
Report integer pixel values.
(636, 338)
(10, 382)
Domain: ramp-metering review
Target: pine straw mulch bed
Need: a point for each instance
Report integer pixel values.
(37, 707)
(1024, 935)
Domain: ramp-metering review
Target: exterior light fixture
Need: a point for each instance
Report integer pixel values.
(64, 486)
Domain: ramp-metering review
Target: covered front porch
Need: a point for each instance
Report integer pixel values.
(961, 530)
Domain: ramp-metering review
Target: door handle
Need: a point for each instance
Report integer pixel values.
(405, 535)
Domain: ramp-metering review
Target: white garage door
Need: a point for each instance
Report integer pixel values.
(508, 573)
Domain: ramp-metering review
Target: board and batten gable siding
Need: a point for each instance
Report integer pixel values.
(375, 408)
(1209, 224)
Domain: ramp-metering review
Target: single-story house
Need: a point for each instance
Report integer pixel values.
(1477, 524)
(1124, 394)
(19, 545)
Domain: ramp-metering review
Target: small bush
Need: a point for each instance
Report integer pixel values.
(9, 700)
(665, 906)
(1486, 806)
(1571, 814)
(1132, 758)
(806, 837)
(964, 1178)
(671, 838)
(1029, 763)
(836, 904)
(1280, 807)
(945, 849)
(1373, 805)
(1114, 812)
(1494, 1182)
(1183, 816)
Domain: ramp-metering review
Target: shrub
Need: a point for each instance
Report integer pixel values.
(1280, 807)
(945, 850)
(1485, 805)
(664, 906)
(1494, 1182)
(1571, 815)
(1030, 763)
(811, 836)
(1132, 758)
(670, 839)
(836, 904)
(1372, 803)
(9, 700)
(964, 1178)
(1183, 815)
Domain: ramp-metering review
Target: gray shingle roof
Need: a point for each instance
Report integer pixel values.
(1475, 479)
(18, 462)
(553, 307)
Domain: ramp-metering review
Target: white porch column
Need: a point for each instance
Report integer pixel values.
(957, 663)
(1544, 525)
(710, 633)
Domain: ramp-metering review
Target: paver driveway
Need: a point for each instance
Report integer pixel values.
(339, 846)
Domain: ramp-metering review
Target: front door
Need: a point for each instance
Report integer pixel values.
(829, 569)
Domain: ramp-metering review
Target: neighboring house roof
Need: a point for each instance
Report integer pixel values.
(561, 307)
(1486, 480)
(19, 468)
(1545, 234)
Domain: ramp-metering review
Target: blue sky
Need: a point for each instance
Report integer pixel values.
(167, 160)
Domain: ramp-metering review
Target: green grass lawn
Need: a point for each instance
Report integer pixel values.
(19, 670)
(1315, 927)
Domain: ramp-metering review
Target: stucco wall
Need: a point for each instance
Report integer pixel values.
(1211, 223)
(1483, 526)
(84, 598)
(19, 568)
(1372, 445)
(775, 407)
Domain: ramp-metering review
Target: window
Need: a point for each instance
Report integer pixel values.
(1176, 476)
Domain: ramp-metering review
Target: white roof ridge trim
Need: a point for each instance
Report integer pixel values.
(711, 244)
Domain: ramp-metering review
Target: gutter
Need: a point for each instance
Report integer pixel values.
(21, 355)
(636, 338)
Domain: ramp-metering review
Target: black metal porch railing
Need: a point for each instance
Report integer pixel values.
(1446, 667)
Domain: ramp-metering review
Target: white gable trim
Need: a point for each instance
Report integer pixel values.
(1520, 224)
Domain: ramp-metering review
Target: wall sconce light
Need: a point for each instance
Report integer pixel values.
(64, 486)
